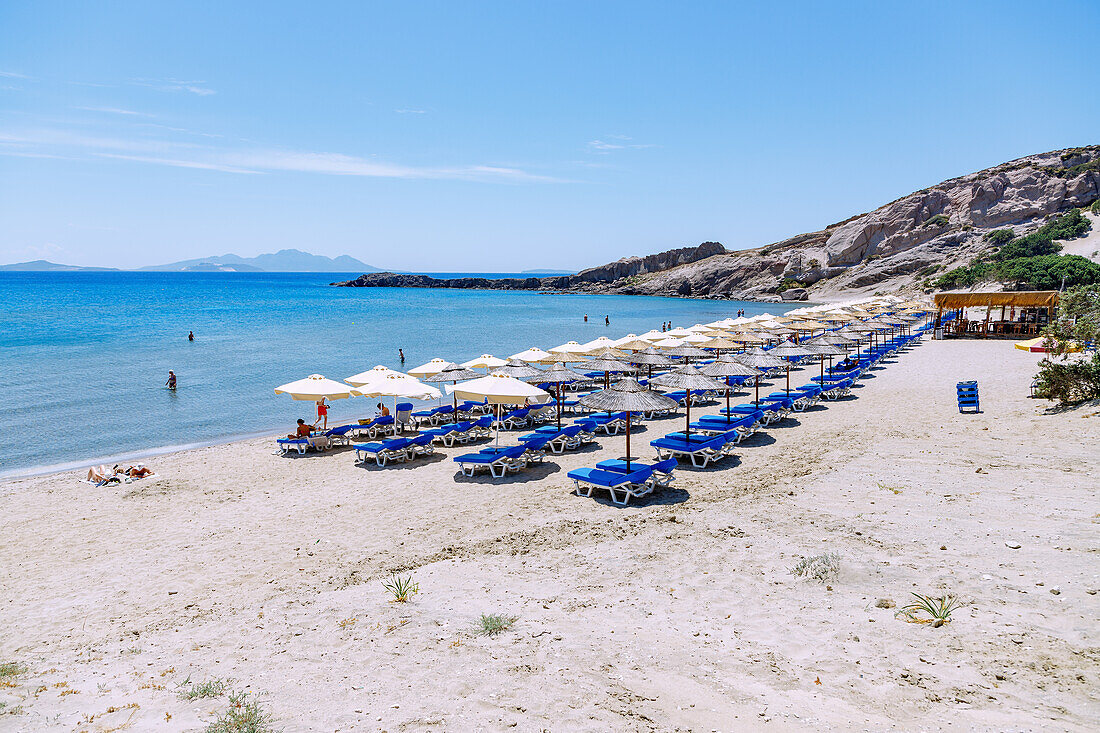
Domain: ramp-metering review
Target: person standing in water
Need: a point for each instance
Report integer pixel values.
(401, 355)
(171, 383)
(606, 321)
(190, 335)
(586, 318)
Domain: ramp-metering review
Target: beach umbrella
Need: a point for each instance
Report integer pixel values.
(829, 350)
(426, 370)
(602, 342)
(556, 375)
(1039, 345)
(485, 361)
(377, 372)
(696, 338)
(678, 332)
(687, 351)
(668, 343)
(699, 328)
(569, 347)
(516, 368)
(652, 335)
(760, 359)
(789, 351)
(533, 355)
(399, 385)
(624, 339)
(316, 387)
(628, 396)
(608, 362)
(687, 378)
(650, 357)
(720, 342)
(454, 374)
(559, 357)
(499, 390)
(634, 344)
(726, 367)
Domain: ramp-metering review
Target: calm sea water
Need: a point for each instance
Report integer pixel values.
(84, 356)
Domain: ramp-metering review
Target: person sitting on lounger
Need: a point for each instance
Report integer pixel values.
(304, 431)
(383, 411)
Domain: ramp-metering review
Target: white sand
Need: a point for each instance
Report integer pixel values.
(678, 614)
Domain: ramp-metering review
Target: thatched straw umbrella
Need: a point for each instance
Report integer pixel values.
(651, 358)
(788, 352)
(687, 378)
(608, 364)
(454, 374)
(687, 351)
(726, 367)
(760, 359)
(556, 375)
(829, 350)
(627, 396)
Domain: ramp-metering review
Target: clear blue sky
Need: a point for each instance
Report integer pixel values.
(504, 136)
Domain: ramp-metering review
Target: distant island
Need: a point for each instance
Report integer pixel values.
(285, 260)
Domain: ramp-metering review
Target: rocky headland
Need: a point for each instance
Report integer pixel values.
(895, 248)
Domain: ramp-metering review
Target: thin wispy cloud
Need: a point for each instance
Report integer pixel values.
(114, 111)
(176, 85)
(411, 111)
(615, 142)
(13, 75)
(192, 155)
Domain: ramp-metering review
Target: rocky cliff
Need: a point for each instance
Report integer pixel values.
(893, 248)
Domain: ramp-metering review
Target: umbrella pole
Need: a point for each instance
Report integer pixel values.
(498, 425)
(395, 416)
(822, 367)
(687, 405)
(788, 376)
(628, 441)
(727, 399)
(558, 400)
(454, 415)
(757, 391)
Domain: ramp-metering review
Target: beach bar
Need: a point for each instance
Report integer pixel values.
(994, 315)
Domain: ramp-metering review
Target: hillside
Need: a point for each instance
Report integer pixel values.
(47, 266)
(901, 246)
(285, 260)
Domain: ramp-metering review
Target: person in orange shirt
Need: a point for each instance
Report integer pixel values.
(383, 411)
(322, 414)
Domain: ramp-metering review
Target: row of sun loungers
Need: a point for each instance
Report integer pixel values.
(395, 449)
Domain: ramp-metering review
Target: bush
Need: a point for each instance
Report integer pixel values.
(999, 236)
(1069, 382)
(1095, 208)
(1070, 225)
(787, 284)
(939, 220)
(1048, 272)
(1031, 245)
(964, 277)
(821, 568)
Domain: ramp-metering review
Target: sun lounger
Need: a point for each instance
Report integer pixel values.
(434, 416)
(403, 416)
(421, 445)
(497, 462)
(515, 419)
(621, 486)
(378, 425)
(450, 434)
(382, 452)
(745, 425)
(286, 445)
(661, 476)
(701, 450)
(610, 424)
(340, 435)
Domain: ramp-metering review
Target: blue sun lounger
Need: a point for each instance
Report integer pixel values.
(701, 450)
(498, 462)
(610, 424)
(383, 452)
(286, 445)
(745, 425)
(660, 478)
(373, 427)
(450, 434)
(621, 486)
(434, 416)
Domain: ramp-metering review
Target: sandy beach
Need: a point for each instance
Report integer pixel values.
(678, 613)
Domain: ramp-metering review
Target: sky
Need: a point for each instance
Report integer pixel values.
(505, 136)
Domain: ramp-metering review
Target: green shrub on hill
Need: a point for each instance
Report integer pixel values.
(1031, 245)
(999, 237)
(1046, 272)
(1095, 208)
(939, 220)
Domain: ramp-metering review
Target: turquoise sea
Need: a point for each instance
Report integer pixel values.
(84, 356)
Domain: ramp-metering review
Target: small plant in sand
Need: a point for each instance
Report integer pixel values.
(491, 624)
(929, 610)
(401, 587)
(821, 568)
(242, 716)
(10, 672)
(203, 690)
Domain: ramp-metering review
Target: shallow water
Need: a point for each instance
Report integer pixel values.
(84, 356)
